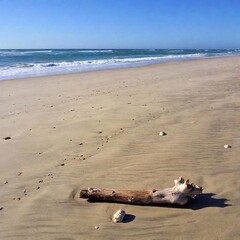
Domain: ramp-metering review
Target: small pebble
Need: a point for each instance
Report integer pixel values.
(162, 134)
(100, 132)
(19, 198)
(6, 182)
(38, 187)
(227, 146)
(1, 208)
(96, 227)
(20, 173)
(7, 138)
(62, 164)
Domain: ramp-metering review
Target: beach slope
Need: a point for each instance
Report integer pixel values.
(59, 134)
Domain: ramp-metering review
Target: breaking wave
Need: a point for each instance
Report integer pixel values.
(27, 63)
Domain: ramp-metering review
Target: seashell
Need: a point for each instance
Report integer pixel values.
(96, 227)
(118, 216)
(162, 134)
(227, 146)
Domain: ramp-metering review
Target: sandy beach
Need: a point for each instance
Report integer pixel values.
(101, 129)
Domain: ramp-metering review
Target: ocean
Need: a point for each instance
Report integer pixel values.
(16, 63)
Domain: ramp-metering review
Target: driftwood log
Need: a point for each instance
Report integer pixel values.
(180, 194)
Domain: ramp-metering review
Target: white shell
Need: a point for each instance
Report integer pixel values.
(118, 216)
(162, 134)
(227, 146)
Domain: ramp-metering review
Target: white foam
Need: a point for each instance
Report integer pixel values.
(10, 53)
(50, 68)
(38, 51)
(95, 51)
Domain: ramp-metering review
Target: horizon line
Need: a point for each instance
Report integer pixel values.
(118, 48)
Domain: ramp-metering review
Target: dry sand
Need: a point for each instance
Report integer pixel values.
(103, 126)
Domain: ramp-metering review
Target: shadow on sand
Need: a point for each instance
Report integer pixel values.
(206, 200)
(128, 218)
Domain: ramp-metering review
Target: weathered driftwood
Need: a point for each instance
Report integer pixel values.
(179, 194)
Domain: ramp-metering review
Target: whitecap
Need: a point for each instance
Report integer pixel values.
(95, 51)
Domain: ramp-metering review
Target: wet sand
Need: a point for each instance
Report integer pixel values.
(101, 129)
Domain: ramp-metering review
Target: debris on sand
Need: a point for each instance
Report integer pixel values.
(7, 138)
(162, 134)
(118, 216)
(227, 146)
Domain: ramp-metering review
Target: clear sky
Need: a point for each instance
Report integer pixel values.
(119, 23)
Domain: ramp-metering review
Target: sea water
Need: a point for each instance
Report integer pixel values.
(19, 63)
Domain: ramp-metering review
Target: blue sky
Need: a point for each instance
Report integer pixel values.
(119, 23)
